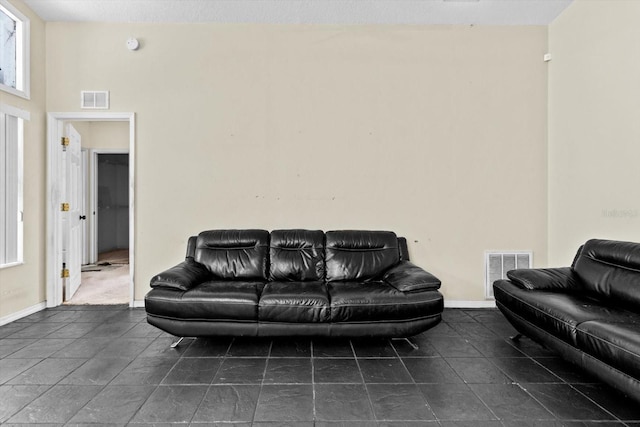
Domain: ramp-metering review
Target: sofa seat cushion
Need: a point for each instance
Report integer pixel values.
(613, 341)
(379, 301)
(555, 312)
(294, 302)
(213, 300)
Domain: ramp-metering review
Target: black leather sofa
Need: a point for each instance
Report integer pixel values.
(589, 313)
(295, 282)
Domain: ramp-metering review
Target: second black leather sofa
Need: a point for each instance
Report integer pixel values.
(589, 313)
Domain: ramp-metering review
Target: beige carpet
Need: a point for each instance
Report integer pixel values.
(106, 282)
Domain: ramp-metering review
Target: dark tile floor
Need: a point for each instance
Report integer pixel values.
(89, 365)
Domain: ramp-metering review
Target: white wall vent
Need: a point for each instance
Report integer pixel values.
(497, 263)
(94, 100)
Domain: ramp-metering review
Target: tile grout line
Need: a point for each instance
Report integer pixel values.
(211, 383)
(204, 396)
(578, 391)
(470, 388)
(264, 373)
(313, 383)
(413, 380)
(82, 407)
(519, 385)
(156, 388)
(24, 406)
(137, 411)
(364, 383)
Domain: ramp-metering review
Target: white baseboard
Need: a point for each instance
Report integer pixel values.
(138, 304)
(22, 313)
(469, 304)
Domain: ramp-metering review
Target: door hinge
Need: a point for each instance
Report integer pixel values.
(64, 207)
(64, 273)
(64, 141)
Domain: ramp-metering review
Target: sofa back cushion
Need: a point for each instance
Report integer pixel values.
(610, 269)
(360, 255)
(234, 254)
(296, 255)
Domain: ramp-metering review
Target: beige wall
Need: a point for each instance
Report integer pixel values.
(23, 286)
(435, 132)
(594, 125)
(103, 135)
(438, 133)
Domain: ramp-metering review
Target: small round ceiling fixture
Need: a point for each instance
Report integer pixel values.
(133, 44)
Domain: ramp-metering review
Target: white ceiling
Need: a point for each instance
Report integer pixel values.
(466, 12)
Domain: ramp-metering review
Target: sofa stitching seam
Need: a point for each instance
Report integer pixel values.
(611, 264)
(609, 342)
(543, 312)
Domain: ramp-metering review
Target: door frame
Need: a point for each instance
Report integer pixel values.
(93, 204)
(84, 153)
(55, 123)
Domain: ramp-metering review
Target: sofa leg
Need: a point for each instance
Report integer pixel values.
(516, 337)
(177, 343)
(411, 343)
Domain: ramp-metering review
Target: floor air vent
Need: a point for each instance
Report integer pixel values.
(95, 100)
(497, 263)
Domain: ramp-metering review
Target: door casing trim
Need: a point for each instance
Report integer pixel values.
(53, 255)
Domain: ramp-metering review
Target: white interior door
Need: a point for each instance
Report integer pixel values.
(72, 223)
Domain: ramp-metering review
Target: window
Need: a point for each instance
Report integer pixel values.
(11, 184)
(14, 50)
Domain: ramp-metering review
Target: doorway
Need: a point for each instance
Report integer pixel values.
(111, 209)
(57, 251)
(105, 268)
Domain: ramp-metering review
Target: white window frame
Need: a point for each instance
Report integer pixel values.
(23, 42)
(17, 190)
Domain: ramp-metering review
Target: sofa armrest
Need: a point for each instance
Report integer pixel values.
(545, 278)
(183, 276)
(408, 277)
